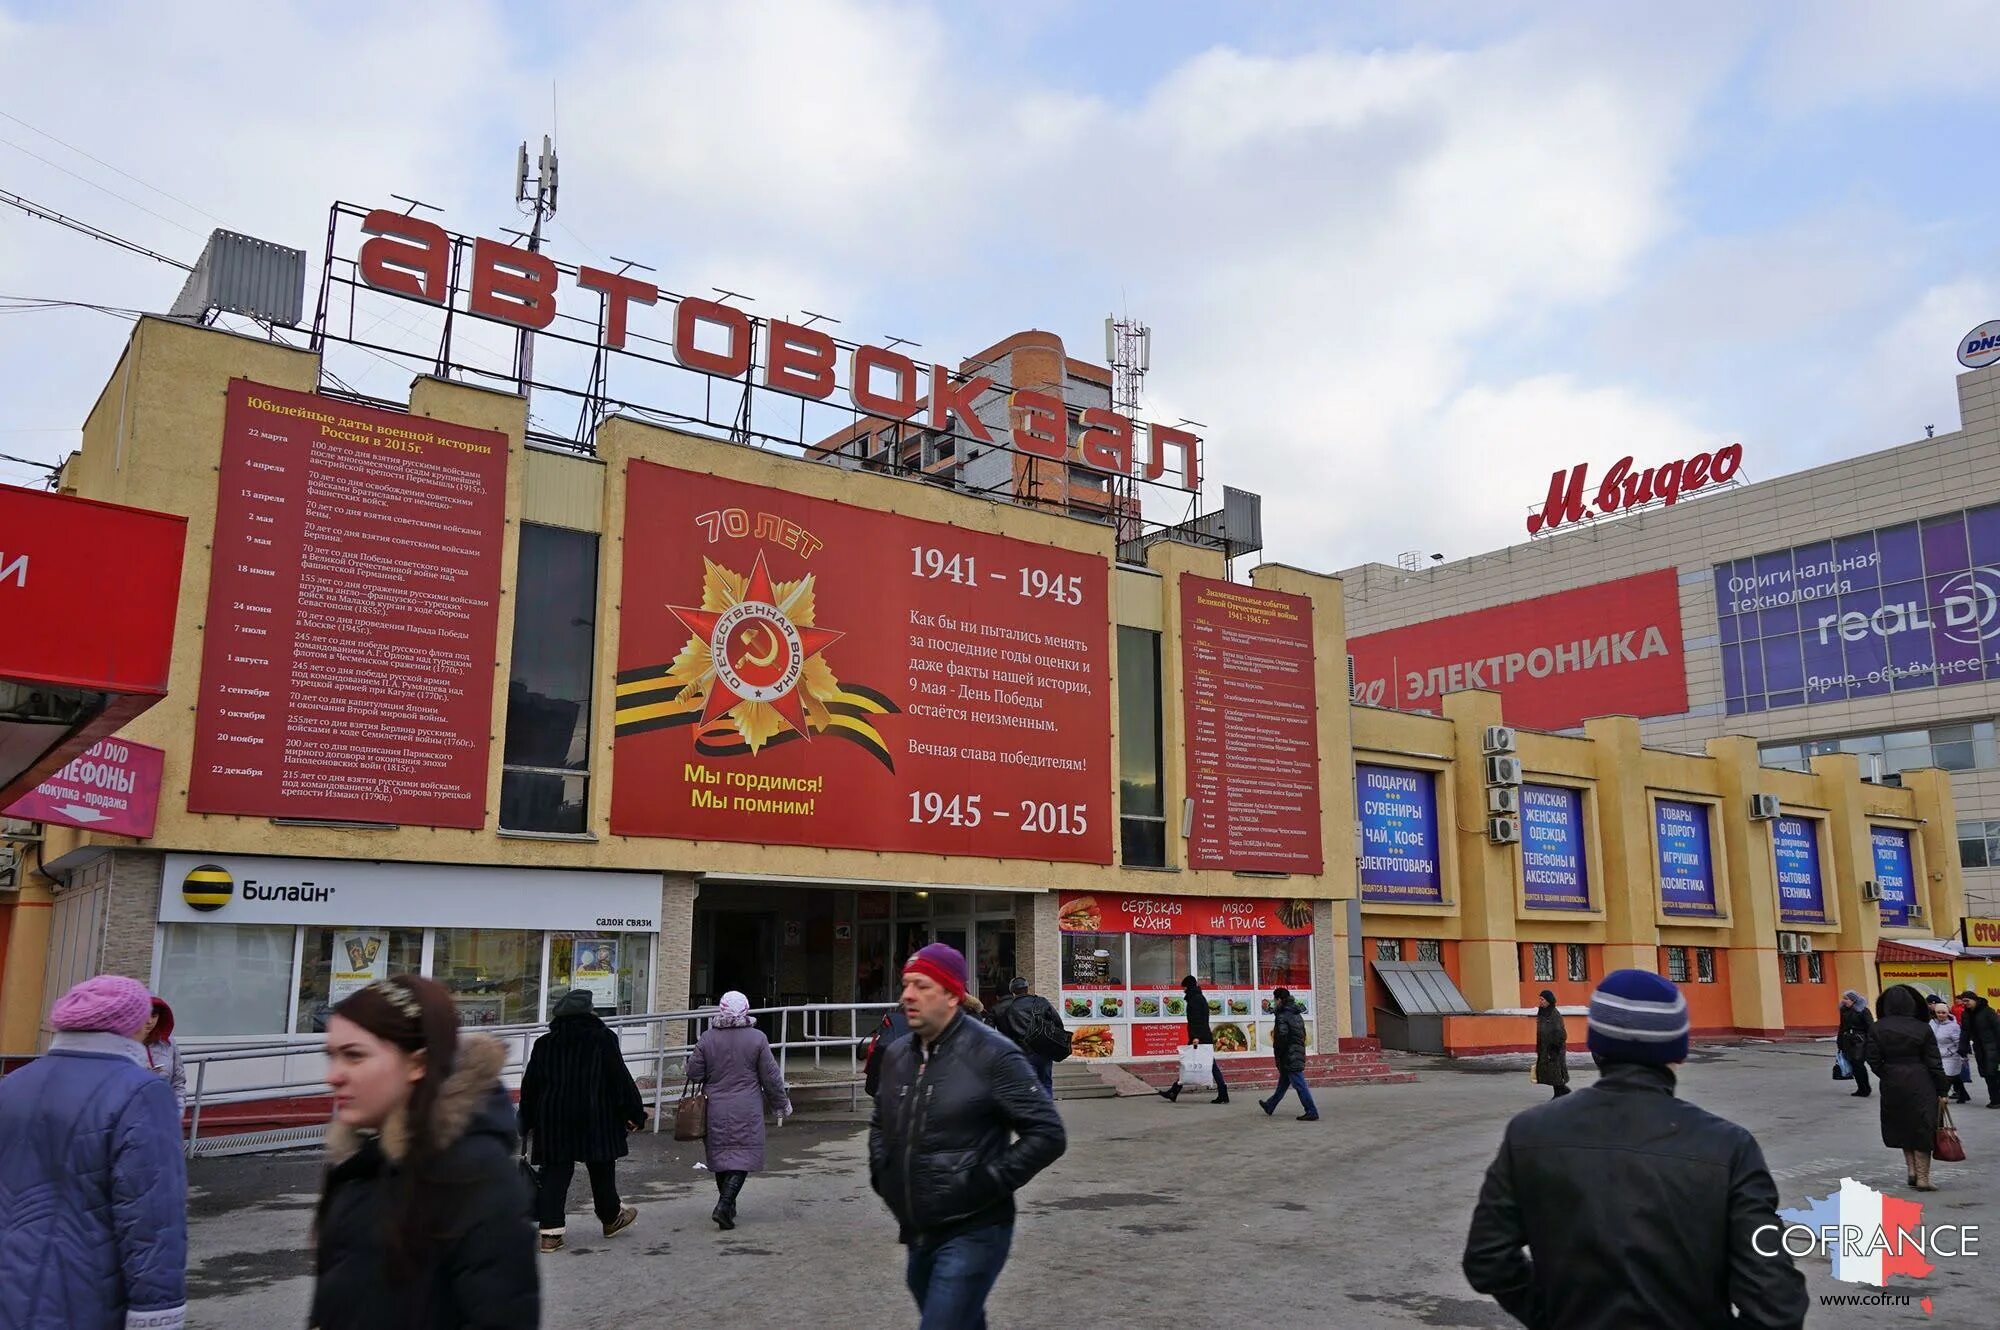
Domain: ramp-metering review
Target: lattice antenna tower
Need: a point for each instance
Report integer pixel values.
(535, 196)
(1128, 350)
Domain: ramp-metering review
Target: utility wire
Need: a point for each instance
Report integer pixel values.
(99, 188)
(109, 167)
(47, 214)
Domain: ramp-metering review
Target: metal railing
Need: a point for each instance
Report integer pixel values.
(813, 1029)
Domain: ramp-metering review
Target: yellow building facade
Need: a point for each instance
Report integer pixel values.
(510, 915)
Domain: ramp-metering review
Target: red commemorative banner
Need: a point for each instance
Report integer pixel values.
(798, 671)
(353, 601)
(1110, 912)
(114, 786)
(88, 592)
(1252, 728)
(1612, 649)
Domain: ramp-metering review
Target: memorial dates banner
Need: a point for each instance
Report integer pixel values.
(1900, 609)
(1609, 649)
(1687, 863)
(1109, 912)
(798, 671)
(1399, 835)
(1252, 728)
(1801, 890)
(353, 599)
(1894, 873)
(1552, 865)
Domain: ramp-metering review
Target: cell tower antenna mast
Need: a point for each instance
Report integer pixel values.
(535, 195)
(1128, 350)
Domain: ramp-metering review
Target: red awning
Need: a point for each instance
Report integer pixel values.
(1904, 953)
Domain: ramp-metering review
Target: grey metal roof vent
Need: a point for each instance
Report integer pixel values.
(243, 275)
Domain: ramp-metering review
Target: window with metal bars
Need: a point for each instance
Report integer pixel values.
(1677, 964)
(1388, 949)
(1578, 957)
(1542, 958)
(1704, 964)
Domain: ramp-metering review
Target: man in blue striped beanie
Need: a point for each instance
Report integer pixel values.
(1622, 1205)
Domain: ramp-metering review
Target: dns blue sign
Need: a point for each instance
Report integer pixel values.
(1801, 890)
(1552, 848)
(1399, 835)
(1687, 866)
(1894, 874)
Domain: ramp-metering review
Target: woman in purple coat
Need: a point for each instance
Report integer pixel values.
(733, 1059)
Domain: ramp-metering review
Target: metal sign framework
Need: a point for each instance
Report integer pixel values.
(655, 387)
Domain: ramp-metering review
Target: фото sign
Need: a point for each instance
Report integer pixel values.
(1801, 889)
(353, 603)
(1247, 689)
(1624, 489)
(1900, 609)
(114, 787)
(797, 671)
(1613, 648)
(1552, 862)
(1399, 835)
(1894, 873)
(1686, 859)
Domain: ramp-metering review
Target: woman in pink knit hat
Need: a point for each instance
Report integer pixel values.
(93, 1189)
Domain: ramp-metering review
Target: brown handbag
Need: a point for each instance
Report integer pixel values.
(1947, 1147)
(691, 1113)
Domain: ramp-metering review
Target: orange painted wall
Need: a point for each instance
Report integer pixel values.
(1811, 1008)
(1569, 993)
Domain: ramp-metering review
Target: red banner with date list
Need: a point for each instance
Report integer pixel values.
(797, 671)
(353, 601)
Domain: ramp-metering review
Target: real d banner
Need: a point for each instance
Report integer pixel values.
(798, 671)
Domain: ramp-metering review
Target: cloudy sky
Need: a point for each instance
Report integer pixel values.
(1403, 260)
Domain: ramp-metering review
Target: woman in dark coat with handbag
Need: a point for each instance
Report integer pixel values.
(733, 1062)
(423, 1223)
(1905, 1056)
(578, 1103)
(1855, 1023)
(1551, 1046)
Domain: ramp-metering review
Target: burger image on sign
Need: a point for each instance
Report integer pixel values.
(208, 887)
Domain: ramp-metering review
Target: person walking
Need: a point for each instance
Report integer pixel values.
(1288, 1050)
(733, 1060)
(1563, 1183)
(424, 1219)
(1199, 1033)
(163, 1055)
(578, 1104)
(1904, 1055)
(93, 1186)
(1979, 1040)
(960, 1125)
(1020, 1016)
(1551, 1046)
(1855, 1023)
(1946, 1031)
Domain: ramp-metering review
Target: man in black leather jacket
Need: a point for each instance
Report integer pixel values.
(1017, 1016)
(960, 1125)
(1636, 1208)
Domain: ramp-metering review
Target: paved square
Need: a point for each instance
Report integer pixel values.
(1187, 1214)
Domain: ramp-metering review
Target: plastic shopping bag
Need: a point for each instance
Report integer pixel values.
(1197, 1064)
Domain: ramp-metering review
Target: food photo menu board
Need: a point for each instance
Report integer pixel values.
(1123, 958)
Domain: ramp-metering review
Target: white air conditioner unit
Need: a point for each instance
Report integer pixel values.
(1502, 799)
(1788, 944)
(1503, 771)
(1763, 807)
(1804, 947)
(1915, 913)
(1499, 739)
(10, 869)
(19, 829)
(1503, 830)
(1871, 891)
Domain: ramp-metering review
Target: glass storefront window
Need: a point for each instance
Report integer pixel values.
(616, 968)
(872, 962)
(993, 967)
(1159, 962)
(1224, 962)
(224, 979)
(1093, 960)
(494, 974)
(544, 782)
(1285, 962)
(340, 961)
(1143, 818)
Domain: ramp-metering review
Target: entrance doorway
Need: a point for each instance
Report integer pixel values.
(740, 952)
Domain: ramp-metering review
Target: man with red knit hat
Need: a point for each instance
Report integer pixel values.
(961, 1124)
